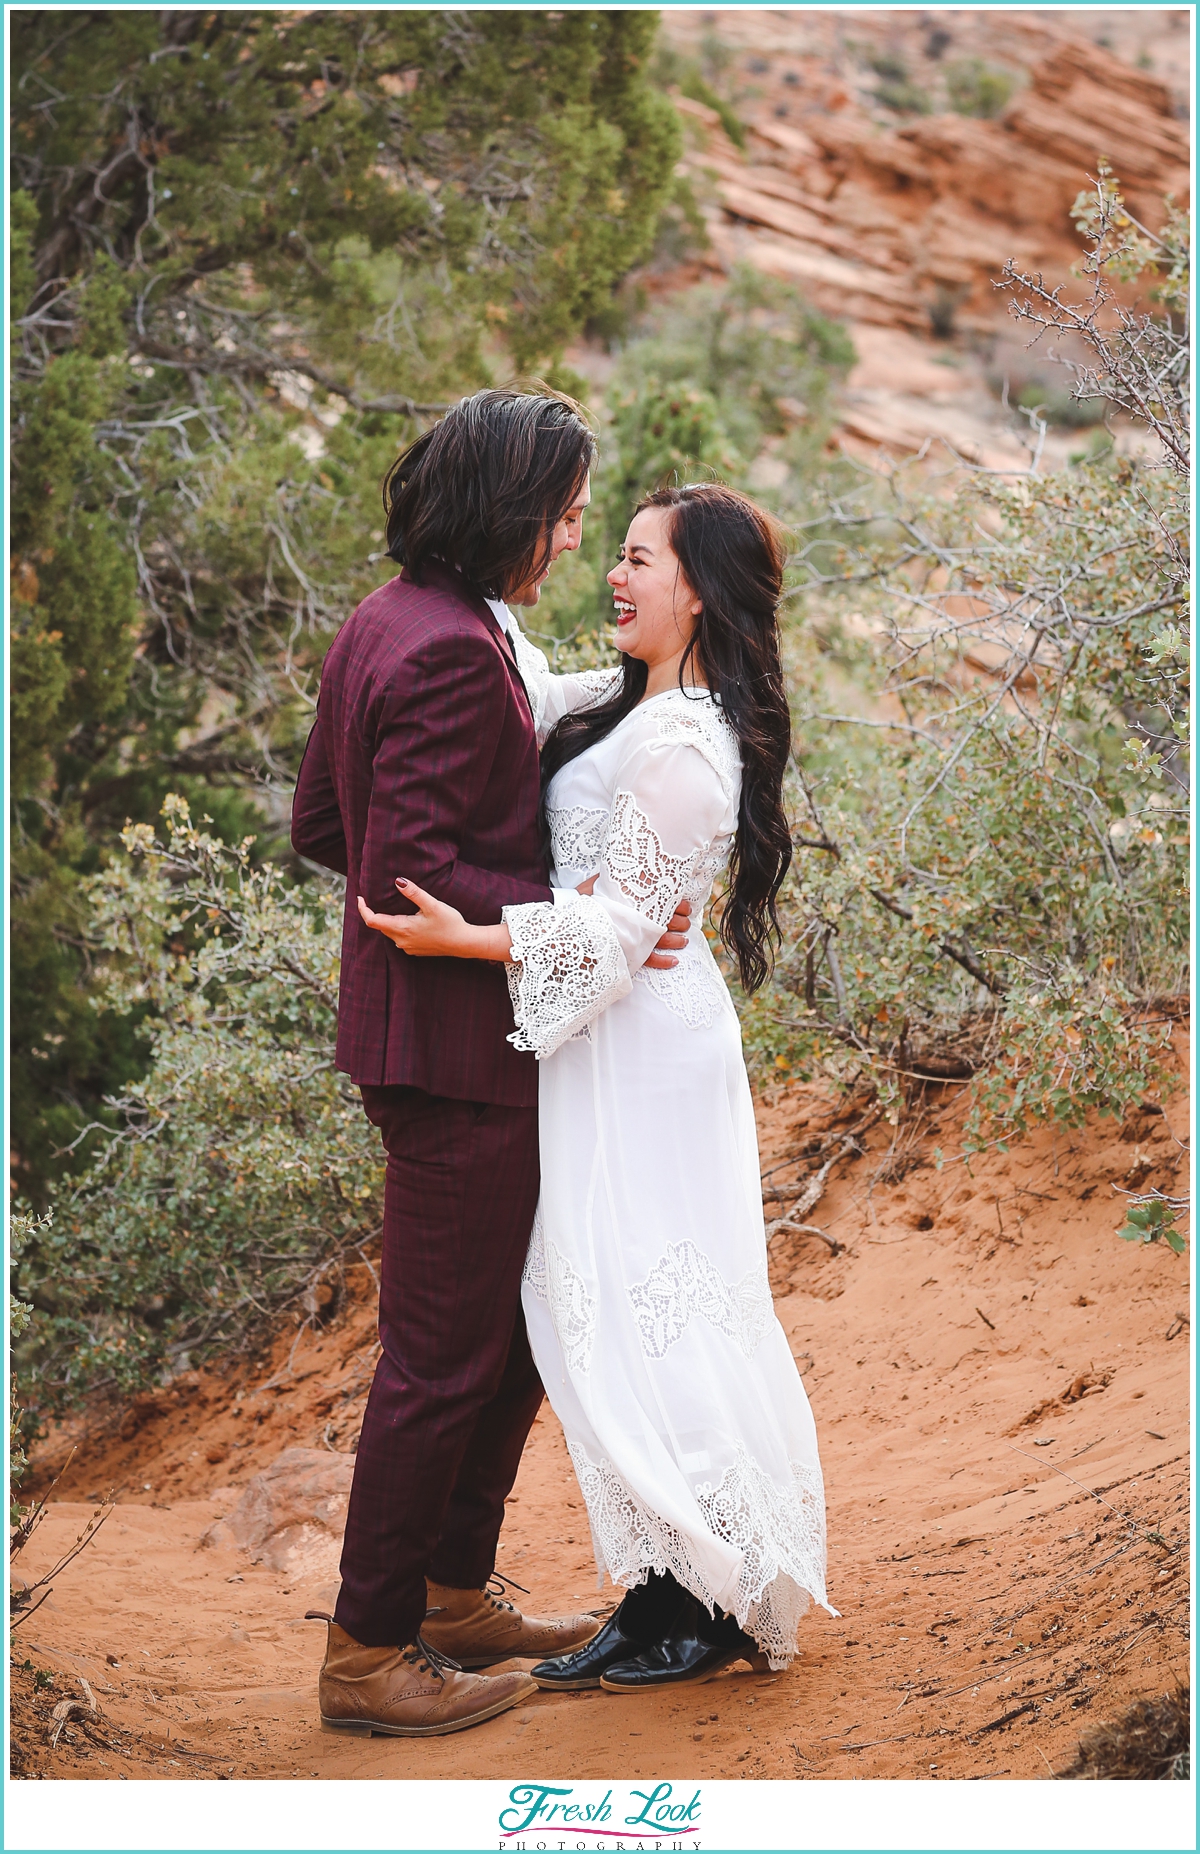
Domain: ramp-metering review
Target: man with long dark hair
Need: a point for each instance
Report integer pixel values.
(424, 760)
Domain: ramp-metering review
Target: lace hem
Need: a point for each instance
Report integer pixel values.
(780, 1533)
(683, 1282)
(567, 967)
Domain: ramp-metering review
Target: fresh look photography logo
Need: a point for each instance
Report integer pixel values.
(559, 1816)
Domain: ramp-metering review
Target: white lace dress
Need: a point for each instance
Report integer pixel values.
(645, 1291)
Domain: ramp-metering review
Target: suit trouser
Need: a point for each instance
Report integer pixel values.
(456, 1390)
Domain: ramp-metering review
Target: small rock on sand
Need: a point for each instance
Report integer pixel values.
(291, 1516)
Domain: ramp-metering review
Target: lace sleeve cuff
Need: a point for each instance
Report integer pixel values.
(567, 967)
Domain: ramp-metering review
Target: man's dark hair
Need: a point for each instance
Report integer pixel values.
(483, 489)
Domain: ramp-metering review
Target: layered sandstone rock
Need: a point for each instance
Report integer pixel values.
(909, 226)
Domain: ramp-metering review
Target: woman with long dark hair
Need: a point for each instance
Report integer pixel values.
(646, 1294)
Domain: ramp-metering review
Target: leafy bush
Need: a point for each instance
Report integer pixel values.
(905, 97)
(21, 1228)
(989, 678)
(984, 880)
(242, 1165)
(978, 89)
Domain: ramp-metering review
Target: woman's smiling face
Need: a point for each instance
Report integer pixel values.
(656, 608)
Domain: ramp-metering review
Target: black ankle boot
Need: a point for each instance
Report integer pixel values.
(572, 1672)
(689, 1653)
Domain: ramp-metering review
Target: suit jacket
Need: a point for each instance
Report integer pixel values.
(423, 763)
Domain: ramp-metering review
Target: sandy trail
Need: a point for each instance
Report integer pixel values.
(1002, 1394)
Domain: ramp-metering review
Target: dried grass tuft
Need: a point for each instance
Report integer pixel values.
(1148, 1742)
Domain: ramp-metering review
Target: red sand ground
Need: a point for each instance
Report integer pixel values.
(1001, 1390)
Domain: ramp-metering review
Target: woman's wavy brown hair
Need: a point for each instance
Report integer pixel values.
(483, 489)
(731, 553)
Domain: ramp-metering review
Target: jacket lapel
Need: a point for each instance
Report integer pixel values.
(448, 580)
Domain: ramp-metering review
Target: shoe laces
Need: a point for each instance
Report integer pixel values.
(428, 1660)
(496, 1597)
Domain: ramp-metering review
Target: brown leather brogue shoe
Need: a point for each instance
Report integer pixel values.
(477, 1628)
(411, 1692)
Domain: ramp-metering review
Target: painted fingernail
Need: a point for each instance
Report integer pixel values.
(401, 883)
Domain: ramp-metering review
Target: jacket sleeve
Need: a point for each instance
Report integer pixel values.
(572, 960)
(436, 733)
(317, 830)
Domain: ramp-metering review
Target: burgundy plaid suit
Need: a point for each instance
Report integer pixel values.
(423, 763)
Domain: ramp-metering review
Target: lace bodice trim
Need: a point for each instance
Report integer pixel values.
(697, 721)
(567, 967)
(576, 836)
(649, 879)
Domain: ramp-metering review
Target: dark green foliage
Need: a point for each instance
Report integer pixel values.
(694, 86)
(270, 139)
(21, 1228)
(74, 610)
(248, 249)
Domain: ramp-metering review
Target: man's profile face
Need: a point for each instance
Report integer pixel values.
(568, 533)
